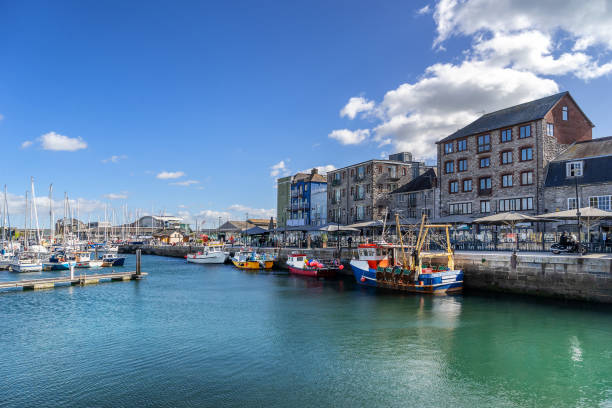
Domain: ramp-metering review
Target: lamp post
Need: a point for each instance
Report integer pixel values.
(578, 209)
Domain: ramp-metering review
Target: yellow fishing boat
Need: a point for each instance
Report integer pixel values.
(251, 260)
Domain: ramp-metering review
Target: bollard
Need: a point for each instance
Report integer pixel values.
(71, 271)
(138, 253)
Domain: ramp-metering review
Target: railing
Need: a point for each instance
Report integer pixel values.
(485, 192)
(336, 182)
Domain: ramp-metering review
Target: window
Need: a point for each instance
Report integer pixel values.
(601, 202)
(462, 165)
(506, 157)
(352, 172)
(403, 171)
(484, 143)
(462, 145)
(460, 208)
(485, 162)
(352, 191)
(467, 185)
(515, 204)
(571, 203)
(573, 169)
(485, 206)
(448, 147)
(524, 131)
(527, 178)
(449, 167)
(360, 212)
(506, 135)
(550, 129)
(453, 187)
(367, 188)
(564, 113)
(526, 154)
(485, 183)
(507, 180)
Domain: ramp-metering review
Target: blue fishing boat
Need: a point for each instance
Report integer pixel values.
(57, 262)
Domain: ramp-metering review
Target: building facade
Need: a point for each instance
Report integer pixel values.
(361, 192)
(283, 200)
(498, 162)
(308, 206)
(415, 198)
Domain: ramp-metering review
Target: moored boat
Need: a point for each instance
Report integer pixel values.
(112, 260)
(58, 262)
(212, 254)
(26, 263)
(299, 264)
(84, 260)
(252, 260)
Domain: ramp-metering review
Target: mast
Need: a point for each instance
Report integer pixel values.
(8, 219)
(51, 225)
(35, 209)
(64, 220)
(25, 218)
(399, 234)
(78, 221)
(4, 218)
(105, 225)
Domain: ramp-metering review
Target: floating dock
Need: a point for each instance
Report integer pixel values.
(50, 283)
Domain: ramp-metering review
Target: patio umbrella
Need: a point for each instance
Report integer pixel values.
(590, 213)
(337, 228)
(508, 218)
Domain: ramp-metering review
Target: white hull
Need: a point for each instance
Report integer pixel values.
(16, 267)
(214, 258)
(89, 264)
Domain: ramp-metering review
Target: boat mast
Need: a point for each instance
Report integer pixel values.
(8, 219)
(51, 226)
(78, 218)
(35, 209)
(64, 220)
(25, 220)
(4, 219)
(105, 225)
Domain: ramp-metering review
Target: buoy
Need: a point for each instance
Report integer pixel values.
(363, 279)
(341, 267)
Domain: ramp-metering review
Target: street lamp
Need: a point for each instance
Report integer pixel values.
(578, 209)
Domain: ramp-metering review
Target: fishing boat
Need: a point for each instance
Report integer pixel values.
(252, 260)
(26, 263)
(6, 258)
(212, 254)
(112, 260)
(299, 264)
(58, 262)
(390, 266)
(84, 260)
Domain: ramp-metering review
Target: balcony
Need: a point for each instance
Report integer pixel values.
(485, 192)
(359, 177)
(336, 182)
(359, 197)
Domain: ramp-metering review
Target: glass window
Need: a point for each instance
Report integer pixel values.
(526, 153)
(507, 180)
(571, 203)
(601, 202)
(485, 206)
(460, 208)
(453, 187)
(485, 162)
(449, 167)
(573, 169)
(467, 185)
(462, 164)
(506, 135)
(484, 143)
(485, 183)
(462, 145)
(565, 113)
(550, 129)
(527, 178)
(524, 131)
(448, 147)
(506, 157)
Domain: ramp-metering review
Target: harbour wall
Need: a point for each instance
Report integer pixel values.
(586, 278)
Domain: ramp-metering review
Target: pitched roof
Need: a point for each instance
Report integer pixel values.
(601, 146)
(425, 181)
(525, 112)
(595, 170)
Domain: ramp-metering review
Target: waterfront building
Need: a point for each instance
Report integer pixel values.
(497, 163)
(170, 237)
(283, 200)
(417, 197)
(361, 192)
(159, 221)
(308, 206)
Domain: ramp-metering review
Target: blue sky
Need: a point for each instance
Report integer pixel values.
(111, 97)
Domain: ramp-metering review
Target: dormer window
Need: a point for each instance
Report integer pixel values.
(573, 169)
(564, 110)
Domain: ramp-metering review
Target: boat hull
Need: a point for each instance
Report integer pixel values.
(253, 264)
(57, 266)
(113, 262)
(26, 268)
(315, 273)
(364, 275)
(215, 258)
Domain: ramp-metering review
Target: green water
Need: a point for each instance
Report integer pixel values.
(213, 336)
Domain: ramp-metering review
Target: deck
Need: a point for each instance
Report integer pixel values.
(49, 283)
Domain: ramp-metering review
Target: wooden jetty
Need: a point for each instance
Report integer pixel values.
(72, 279)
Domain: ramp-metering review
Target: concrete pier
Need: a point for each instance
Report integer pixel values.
(587, 278)
(50, 283)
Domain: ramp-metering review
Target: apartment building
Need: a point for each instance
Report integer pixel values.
(415, 198)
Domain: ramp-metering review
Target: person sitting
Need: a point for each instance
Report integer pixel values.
(563, 239)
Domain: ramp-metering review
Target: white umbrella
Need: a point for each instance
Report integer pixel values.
(337, 227)
(590, 213)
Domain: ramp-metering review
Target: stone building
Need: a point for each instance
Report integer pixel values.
(361, 192)
(497, 163)
(584, 168)
(415, 198)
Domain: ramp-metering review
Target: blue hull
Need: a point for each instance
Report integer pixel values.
(56, 266)
(364, 277)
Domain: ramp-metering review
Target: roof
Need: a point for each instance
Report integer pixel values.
(425, 181)
(525, 112)
(595, 170)
(587, 149)
(310, 177)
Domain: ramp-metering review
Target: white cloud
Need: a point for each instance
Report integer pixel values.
(165, 175)
(356, 105)
(114, 158)
(322, 169)
(424, 10)
(240, 210)
(56, 142)
(279, 169)
(116, 196)
(26, 144)
(350, 137)
(517, 49)
(185, 183)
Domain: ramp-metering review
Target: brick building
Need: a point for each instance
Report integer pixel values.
(415, 198)
(361, 192)
(497, 163)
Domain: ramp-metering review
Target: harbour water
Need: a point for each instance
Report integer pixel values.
(211, 335)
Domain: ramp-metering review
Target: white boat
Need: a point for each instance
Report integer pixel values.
(84, 260)
(212, 254)
(26, 264)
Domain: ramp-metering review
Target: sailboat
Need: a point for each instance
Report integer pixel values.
(26, 261)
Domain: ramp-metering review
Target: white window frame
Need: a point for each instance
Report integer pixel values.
(599, 199)
(574, 200)
(550, 129)
(575, 165)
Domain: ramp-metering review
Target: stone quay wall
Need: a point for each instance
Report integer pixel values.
(587, 278)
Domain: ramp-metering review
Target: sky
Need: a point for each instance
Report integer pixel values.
(195, 108)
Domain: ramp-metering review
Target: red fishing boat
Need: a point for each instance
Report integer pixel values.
(300, 264)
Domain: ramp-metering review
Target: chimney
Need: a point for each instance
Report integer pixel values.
(314, 171)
